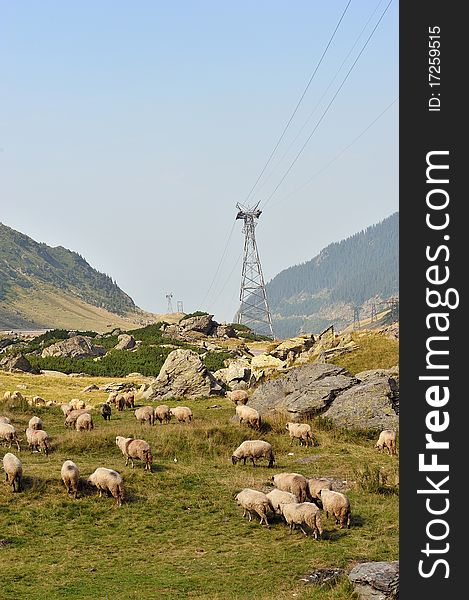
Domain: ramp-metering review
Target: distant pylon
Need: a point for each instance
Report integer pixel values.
(180, 306)
(254, 309)
(169, 297)
(356, 317)
(374, 314)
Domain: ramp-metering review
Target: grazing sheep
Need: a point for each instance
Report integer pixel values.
(77, 404)
(316, 485)
(304, 513)
(129, 398)
(5, 420)
(72, 417)
(278, 497)
(109, 481)
(294, 483)
(144, 414)
(7, 396)
(387, 440)
(111, 399)
(238, 396)
(249, 415)
(51, 403)
(8, 434)
(135, 449)
(253, 449)
(66, 409)
(300, 431)
(38, 401)
(35, 423)
(38, 440)
(13, 470)
(70, 476)
(254, 501)
(84, 422)
(106, 410)
(120, 402)
(183, 414)
(338, 505)
(163, 413)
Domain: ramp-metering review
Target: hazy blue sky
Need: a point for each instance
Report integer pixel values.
(129, 130)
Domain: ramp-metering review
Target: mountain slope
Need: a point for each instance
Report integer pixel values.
(41, 286)
(357, 271)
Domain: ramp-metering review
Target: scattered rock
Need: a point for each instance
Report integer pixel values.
(323, 576)
(125, 342)
(261, 364)
(16, 362)
(78, 346)
(225, 331)
(90, 388)
(376, 580)
(291, 348)
(182, 374)
(237, 372)
(202, 324)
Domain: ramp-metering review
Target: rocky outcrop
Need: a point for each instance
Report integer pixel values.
(125, 342)
(182, 374)
(368, 400)
(376, 580)
(302, 392)
(16, 363)
(369, 404)
(236, 375)
(225, 331)
(77, 346)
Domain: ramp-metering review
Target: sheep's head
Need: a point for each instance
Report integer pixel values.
(234, 459)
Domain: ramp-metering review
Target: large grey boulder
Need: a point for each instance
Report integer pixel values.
(201, 324)
(369, 404)
(125, 342)
(376, 580)
(238, 370)
(302, 392)
(77, 346)
(16, 362)
(182, 374)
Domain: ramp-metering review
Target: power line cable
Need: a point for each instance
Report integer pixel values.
(337, 156)
(299, 102)
(219, 265)
(327, 107)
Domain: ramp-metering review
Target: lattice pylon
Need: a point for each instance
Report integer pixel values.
(254, 309)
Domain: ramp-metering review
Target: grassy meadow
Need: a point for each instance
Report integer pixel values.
(179, 533)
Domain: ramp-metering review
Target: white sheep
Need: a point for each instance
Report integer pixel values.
(238, 396)
(304, 513)
(66, 409)
(294, 483)
(183, 414)
(300, 431)
(77, 404)
(144, 414)
(248, 415)
(5, 420)
(8, 434)
(135, 449)
(338, 505)
(71, 418)
(36, 423)
(70, 476)
(278, 497)
(254, 501)
(253, 449)
(84, 422)
(38, 401)
(316, 485)
(109, 481)
(13, 470)
(38, 440)
(387, 440)
(162, 413)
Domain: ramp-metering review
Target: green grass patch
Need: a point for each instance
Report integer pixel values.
(375, 352)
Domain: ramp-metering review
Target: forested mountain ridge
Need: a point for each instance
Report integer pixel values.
(354, 272)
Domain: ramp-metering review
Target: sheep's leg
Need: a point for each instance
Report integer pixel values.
(17, 445)
(131, 460)
(244, 461)
(244, 512)
(250, 516)
(252, 460)
(303, 531)
(126, 460)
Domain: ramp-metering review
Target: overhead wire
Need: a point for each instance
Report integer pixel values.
(267, 200)
(299, 101)
(219, 264)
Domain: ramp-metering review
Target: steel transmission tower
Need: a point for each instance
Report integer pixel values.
(169, 297)
(254, 309)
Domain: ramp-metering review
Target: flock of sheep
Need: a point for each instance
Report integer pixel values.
(295, 498)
